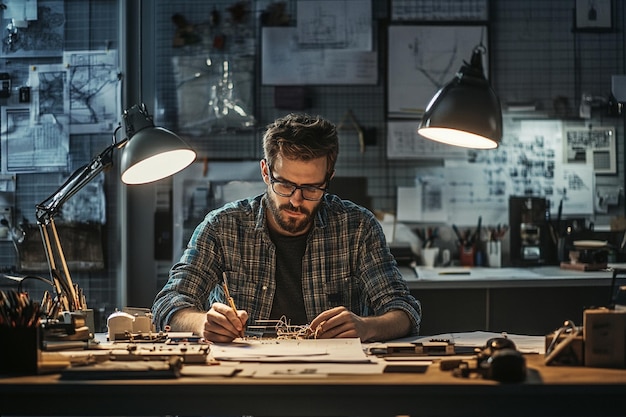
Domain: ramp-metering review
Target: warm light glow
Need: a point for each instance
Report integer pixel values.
(457, 138)
(158, 166)
(466, 111)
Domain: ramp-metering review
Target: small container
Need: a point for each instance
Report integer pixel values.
(466, 255)
(429, 256)
(19, 350)
(494, 253)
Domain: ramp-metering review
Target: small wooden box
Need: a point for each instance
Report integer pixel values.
(605, 338)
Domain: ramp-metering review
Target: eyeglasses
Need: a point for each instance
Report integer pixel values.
(286, 189)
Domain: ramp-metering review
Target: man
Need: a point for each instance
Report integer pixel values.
(294, 251)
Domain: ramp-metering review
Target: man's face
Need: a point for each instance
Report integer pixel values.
(293, 215)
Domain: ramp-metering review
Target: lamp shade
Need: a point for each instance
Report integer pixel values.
(465, 112)
(151, 153)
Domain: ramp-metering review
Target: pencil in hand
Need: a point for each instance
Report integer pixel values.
(229, 299)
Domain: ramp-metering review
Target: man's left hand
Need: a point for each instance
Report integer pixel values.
(338, 322)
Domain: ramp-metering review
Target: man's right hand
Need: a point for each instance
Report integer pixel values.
(223, 324)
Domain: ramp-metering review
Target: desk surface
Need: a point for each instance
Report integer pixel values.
(554, 391)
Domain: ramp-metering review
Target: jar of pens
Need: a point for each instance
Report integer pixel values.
(468, 242)
(19, 334)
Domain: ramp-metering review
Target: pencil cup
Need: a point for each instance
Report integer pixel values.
(19, 350)
(429, 256)
(494, 253)
(466, 255)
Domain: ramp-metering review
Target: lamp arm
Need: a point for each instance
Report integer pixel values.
(67, 295)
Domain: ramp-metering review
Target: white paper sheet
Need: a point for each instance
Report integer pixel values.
(288, 350)
(524, 343)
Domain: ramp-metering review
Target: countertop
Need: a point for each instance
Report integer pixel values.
(484, 277)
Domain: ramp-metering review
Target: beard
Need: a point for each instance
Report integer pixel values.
(289, 224)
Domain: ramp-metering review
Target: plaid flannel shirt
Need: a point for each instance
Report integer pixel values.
(346, 263)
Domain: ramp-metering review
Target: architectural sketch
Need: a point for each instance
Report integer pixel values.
(422, 59)
(403, 142)
(32, 147)
(283, 62)
(344, 24)
(48, 91)
(94, 82)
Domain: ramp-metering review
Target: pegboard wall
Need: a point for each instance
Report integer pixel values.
(89, 25)
(536, 56)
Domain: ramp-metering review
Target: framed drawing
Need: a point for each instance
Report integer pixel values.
(595, 146)
(593, 15)
(423, 58)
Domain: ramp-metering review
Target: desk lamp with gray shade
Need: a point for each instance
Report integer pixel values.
(465, 112)
(149, 154)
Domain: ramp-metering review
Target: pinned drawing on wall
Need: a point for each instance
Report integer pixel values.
(49, 95)
(336, 24)
(94, 83)
(594, 146)
(403, 142)
(33, 29)
(425, 202)
(30, 147)
(284, 62)
(331, 44)
(594, 16)
(422, 59)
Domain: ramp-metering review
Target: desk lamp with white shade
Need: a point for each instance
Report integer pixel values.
(149, 154)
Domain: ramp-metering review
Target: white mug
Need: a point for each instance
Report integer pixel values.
(494, 253)
(429, 256)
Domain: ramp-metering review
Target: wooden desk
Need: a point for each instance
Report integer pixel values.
(532, 301)
(549, 391)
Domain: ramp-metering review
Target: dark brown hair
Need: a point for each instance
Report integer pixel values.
(301, 137)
